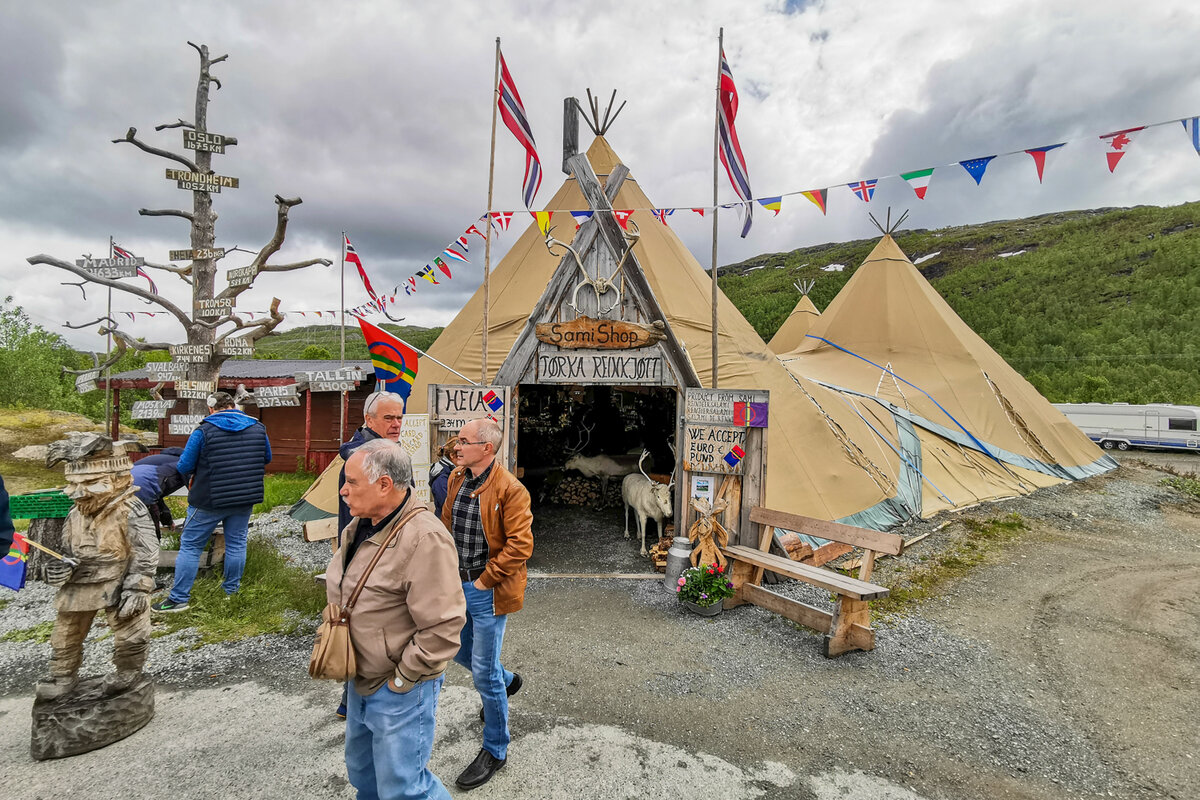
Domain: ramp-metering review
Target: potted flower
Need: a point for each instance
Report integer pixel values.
(702, 589)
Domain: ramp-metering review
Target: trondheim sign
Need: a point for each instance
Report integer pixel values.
(192, 353)
(202, 141)
(242, 276)
(197, 254)
(201, 181)
(218, 306)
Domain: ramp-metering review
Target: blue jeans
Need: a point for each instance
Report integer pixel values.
(389, 737)
(197, 530)
(482, 636)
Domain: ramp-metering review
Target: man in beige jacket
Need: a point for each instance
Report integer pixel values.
(405, 626)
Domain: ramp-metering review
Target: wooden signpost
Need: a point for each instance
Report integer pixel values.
(642, 367)
(192, 353)
(86, 381)
(201, 181)
(238, 348)
(183, 424)
(216, 307)
(200, 252)
(194, 390)
(242, 276)
(166, 371)
(600, 334)
(202, 141)
(151, 409)
(452, 406)
(111, 267)
(331, 380)
(277, 396)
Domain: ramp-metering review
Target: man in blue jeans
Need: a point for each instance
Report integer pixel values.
(227, 455)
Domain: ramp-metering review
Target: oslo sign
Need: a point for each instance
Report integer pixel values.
(201, 181)
(111, 267)
(196, 254)
(201, 141)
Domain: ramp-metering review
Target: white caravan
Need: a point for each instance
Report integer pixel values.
(1122, 426)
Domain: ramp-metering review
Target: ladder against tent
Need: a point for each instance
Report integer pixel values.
(848, 626)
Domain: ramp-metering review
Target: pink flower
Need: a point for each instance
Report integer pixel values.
(682, 580)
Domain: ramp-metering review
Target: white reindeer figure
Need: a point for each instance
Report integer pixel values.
(648, 498)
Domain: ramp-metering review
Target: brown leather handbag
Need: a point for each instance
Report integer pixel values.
(333, 653)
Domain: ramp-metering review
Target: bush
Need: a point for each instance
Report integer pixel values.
(705, 585)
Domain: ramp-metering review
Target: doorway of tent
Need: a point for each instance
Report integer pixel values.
(575, 444)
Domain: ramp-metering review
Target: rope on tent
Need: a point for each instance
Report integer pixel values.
(857, 457)
(970, 435)
(1015, 419)
(899, 391)
(903, 457)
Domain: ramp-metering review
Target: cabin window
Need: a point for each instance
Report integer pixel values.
(1181, 424)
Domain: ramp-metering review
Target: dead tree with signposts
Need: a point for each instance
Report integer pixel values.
(215, 331)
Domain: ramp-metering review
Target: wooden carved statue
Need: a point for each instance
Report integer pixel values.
(110, 536)
(707, 534)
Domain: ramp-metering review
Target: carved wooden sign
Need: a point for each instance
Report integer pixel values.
(111, 267)
(165, 370)
(194, 390)
(201, 181)
(727, 407)
(601, 334)
(86, 382)
(183, 424)
(714, 448)
(192, 353)
(242, 276)
(216, 307)
(151, 409)
(331, 380)
(648, 367)
(202, 141)
(198, 253)
(275, 396)
(236, 347)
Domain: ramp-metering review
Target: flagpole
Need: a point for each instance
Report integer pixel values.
(716, 150)
(107, 354)
(487, 246)
(342, 350)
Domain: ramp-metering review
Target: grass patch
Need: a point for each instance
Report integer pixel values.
(284, 489)
(1188, 486)
(4, 601)
(39, 633)
(921, 581)
(274, 598)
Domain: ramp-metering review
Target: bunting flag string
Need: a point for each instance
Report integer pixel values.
(864, 190)
(918, 180)
(769, 203)
(818, 198)
(1191, 127)
(975, 167)
(1117, 142)
(1039, 156)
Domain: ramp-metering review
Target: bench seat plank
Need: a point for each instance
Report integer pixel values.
(808, 616)
(881, 542)
(822, 578)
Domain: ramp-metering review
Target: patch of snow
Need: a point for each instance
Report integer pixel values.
(751, 269)
(923, 259)
(833, 268)
(1013, 253)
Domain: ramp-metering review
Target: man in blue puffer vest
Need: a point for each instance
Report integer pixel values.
(227, 456)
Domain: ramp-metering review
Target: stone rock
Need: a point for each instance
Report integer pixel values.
(31, 452)
(87, 719)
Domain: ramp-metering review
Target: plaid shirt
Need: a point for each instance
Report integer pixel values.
(468, 525)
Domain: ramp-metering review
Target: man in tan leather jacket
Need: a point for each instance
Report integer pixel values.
(405, 625)
(487, 510)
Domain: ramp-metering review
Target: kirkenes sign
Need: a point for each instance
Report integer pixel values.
(603, 367)
(198, 253)
(151, 409)
(603, 334)
(242, 276)
(216, 307)
(183, 424)
(201, 181)
(194, 390)
(111, 267)
(192, 353)
(202, 141)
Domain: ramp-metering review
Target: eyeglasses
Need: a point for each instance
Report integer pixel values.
(464, 441)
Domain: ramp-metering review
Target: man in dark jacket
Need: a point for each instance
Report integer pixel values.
(156, 477)
(6, 524)
(383, 417)
(227, 456)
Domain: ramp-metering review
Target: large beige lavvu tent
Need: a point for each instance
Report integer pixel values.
(971, 427)
(828, 456)
(793, 330)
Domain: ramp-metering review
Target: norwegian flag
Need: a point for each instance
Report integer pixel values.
(1117, 142)
(512, 111)
(121, 252)
(350, 256)
(730, 149)
(864, 190)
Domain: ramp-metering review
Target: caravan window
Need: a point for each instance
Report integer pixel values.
(1181, 424)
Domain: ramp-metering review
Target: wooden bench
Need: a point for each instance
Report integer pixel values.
(848, 627)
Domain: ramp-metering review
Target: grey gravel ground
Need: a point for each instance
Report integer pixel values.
(1026, 680)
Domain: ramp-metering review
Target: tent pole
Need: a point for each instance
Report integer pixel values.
(342, 349)
(487, 247)
(716, 149)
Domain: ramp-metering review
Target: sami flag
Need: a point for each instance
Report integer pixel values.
(13, 565)
(395, 362)
(493, 402)
(735, 456)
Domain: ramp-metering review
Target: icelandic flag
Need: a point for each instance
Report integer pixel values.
(864, 190)
(394, 361)
(1192, 126)
(735, 456)
(493, 402)
(13, 565)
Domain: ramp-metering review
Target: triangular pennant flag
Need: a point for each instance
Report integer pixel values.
(818, 198)
(699, 211)
(663, 213)
(770, 203)
(623, 217)
(443, 267)
(864, 190)
(581, 216)
(501, 219)
(1039, 156)
(1117, 142)
(918, 180)
(410, 290)
(462, 242)
(473, 229)
(975, 167)
(454, 255)
(426, 272)
(542, 218)
(1192, 127)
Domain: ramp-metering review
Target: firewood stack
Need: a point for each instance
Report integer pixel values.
(658, 553)
(585, 492)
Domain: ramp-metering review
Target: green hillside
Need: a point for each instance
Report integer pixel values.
(1101, 306)
(322, 341)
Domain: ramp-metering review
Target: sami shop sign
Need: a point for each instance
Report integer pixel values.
(715, 427)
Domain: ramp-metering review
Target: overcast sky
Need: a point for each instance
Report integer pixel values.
(377, 114)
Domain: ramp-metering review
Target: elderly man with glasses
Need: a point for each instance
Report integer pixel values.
(487, 511)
